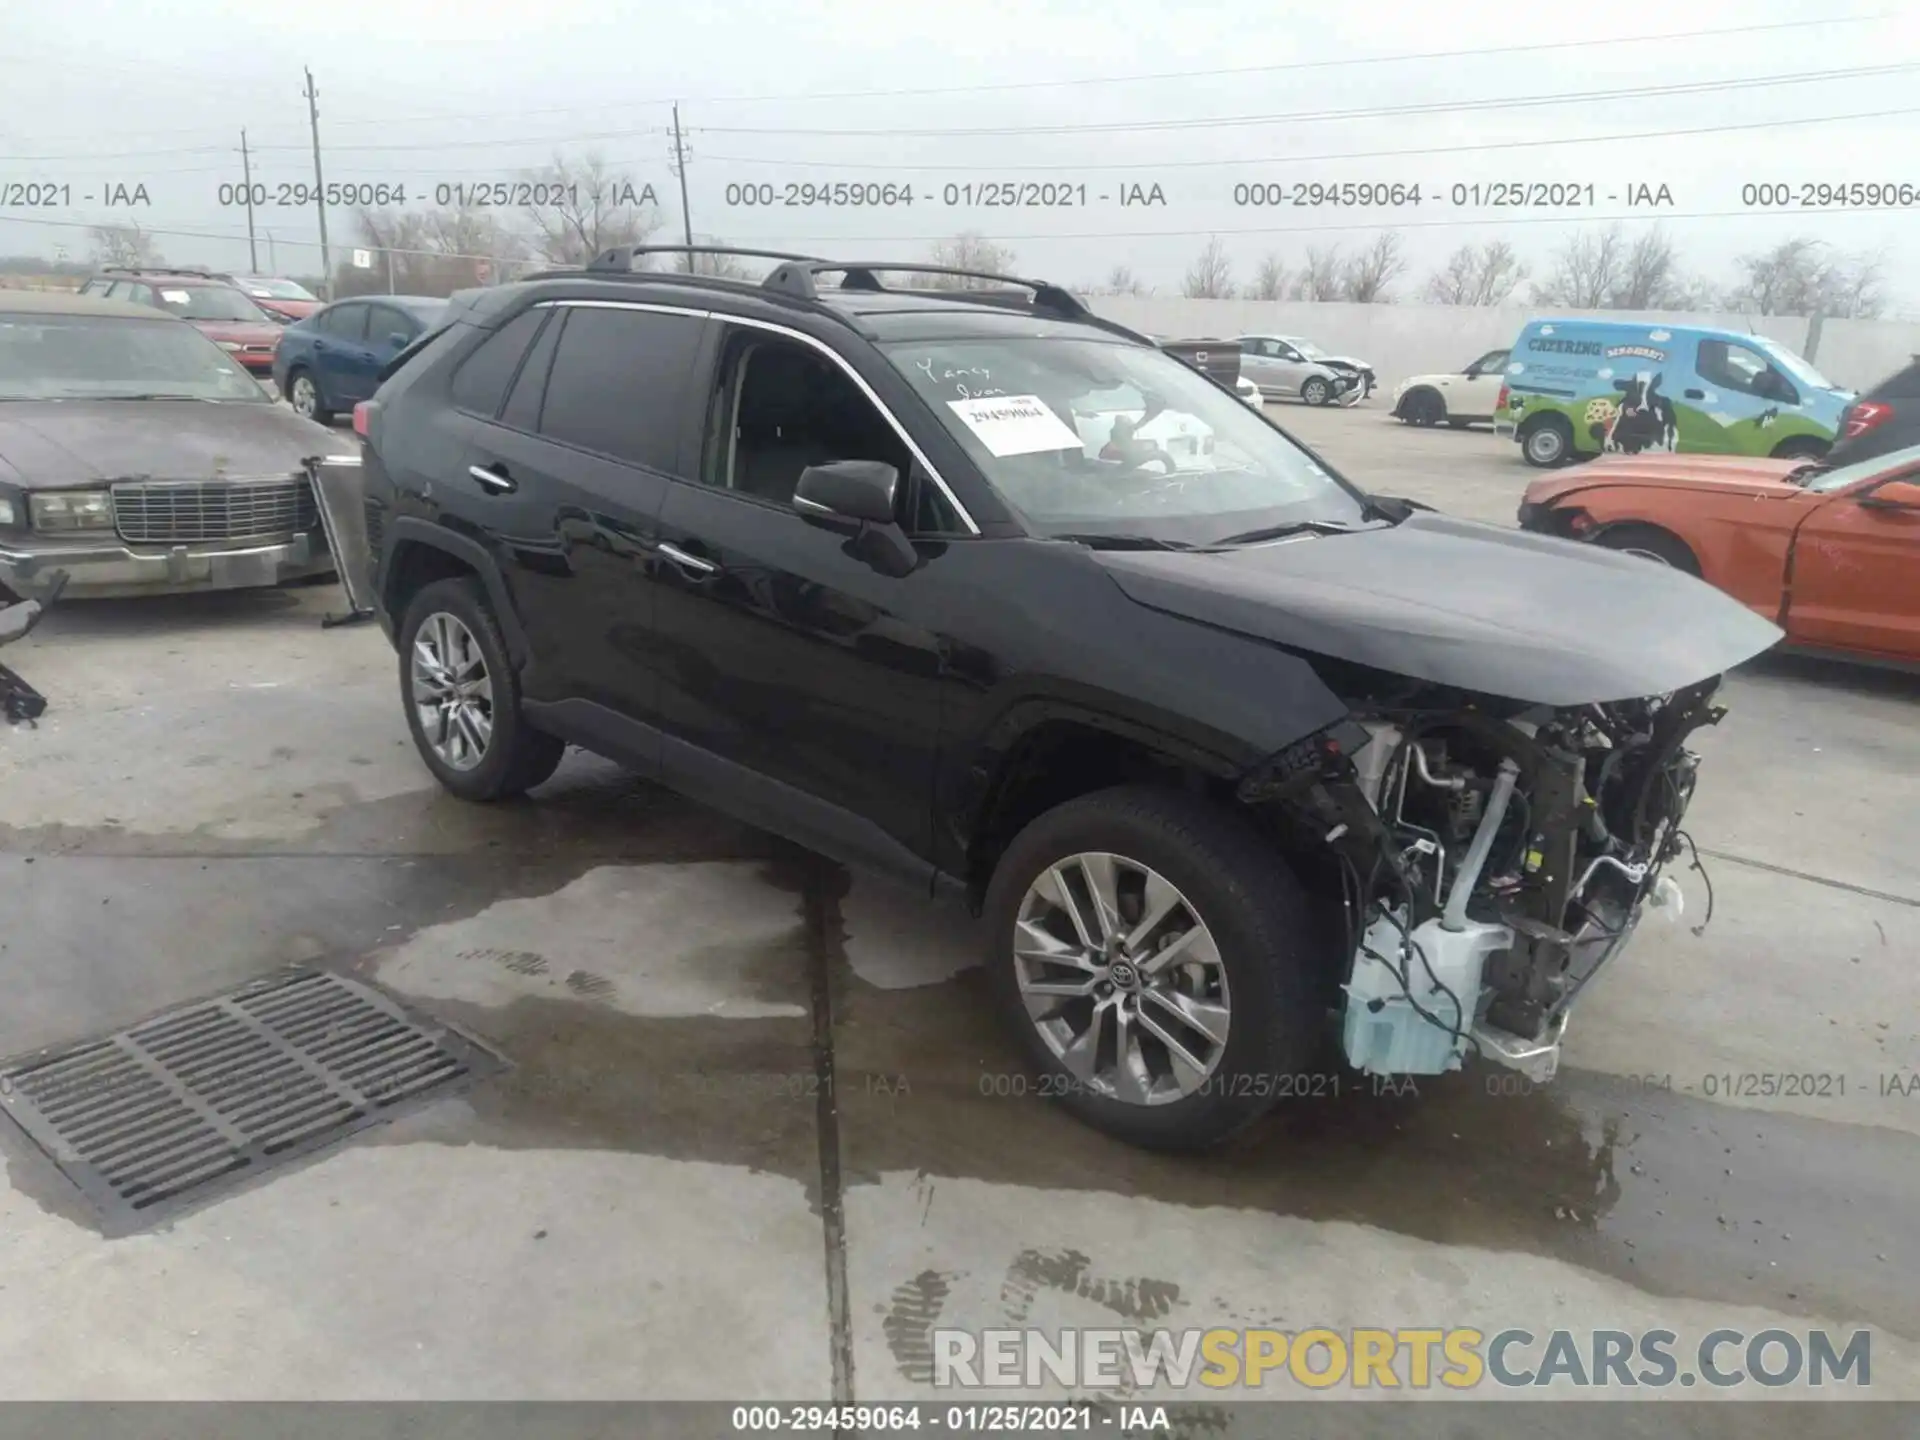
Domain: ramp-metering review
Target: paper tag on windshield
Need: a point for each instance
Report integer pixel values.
(1015, 424)
(175, 297)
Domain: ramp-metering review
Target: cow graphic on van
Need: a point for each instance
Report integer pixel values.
(1592, 387)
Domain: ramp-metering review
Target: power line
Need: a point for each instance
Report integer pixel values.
(1148, 166)
(1692, 87)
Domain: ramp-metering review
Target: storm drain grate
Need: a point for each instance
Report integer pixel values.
(159, 1116)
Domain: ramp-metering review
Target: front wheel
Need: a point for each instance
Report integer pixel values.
(1316, 391)
(1154, 956)
(1801, 447)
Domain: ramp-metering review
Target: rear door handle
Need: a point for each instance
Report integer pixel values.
(1694, 394)
(693, 564)
(492, 479)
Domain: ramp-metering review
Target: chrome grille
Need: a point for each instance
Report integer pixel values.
(173, 512)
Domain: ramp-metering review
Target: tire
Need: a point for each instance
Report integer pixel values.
(303, 392)
(1316, 391)
(515, 757)
(1264, 944)
(1457, 422)
(1801, 447)
(1548, 443)
(1423, 407)
(1650, 542)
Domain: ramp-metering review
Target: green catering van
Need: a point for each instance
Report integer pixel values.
(1579, 388)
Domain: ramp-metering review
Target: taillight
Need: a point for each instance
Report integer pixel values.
(1864, 416)
(1501, 403)
(360, 418)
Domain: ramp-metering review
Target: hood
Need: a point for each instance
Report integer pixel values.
(1347, 360)
(292, 309)
(243, 332)
(1736, 473)
(76, 442)
(1495, 611)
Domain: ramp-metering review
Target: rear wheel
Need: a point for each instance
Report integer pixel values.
(1316, 391)
(463, 698)
(1547, 442)
(1650, 542)
(304, 396)
(1154, 955)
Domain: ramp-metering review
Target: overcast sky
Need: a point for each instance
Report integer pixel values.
(428, 91)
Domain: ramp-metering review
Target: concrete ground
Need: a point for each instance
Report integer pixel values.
(762, 1134)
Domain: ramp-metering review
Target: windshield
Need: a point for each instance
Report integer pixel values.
(1793, 365)
(86, 357)
(1824, 482)
(208, 302)
(279, 290)
(1102, 437)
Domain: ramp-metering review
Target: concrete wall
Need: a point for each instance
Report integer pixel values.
(1402, 340)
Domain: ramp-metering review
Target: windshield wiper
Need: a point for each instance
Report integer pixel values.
(1280, 532)
(1122, 541)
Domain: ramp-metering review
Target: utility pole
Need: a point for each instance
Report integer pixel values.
(246, 173)
(680, 169)
(319, 184)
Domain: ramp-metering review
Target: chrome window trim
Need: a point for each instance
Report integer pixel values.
(805, 339)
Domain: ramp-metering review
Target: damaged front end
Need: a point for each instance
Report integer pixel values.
(1493, 860)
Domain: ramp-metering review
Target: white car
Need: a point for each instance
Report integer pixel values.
(1249, 392)
(1457, 400)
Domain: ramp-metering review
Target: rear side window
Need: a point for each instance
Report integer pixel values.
(618, 382)
(480, 384)
(530, 388)
(348, 322)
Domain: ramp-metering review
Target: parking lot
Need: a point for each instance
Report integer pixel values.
(761, 1134)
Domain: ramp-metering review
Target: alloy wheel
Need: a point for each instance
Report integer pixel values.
(1121, 978)
(303, 396)
(452, 691)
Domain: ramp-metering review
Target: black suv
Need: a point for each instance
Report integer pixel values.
(982, 590)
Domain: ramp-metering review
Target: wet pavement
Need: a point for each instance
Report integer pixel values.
(762, 1133)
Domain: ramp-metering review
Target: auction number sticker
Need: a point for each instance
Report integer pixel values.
(1015, 424)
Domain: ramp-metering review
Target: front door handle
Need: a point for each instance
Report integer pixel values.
(492, 479)
(693, 564)
(1694, 394)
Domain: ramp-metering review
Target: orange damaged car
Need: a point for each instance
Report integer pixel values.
(1830, 554)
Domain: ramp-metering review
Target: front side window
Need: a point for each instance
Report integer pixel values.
(1101, 437)
(92, 357)
(1488, 363)
(1736, 367)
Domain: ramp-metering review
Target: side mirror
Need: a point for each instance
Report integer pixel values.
(1894, 495)
(397, 340)
(862, 490)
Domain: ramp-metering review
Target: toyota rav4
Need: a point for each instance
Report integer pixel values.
(979, 589)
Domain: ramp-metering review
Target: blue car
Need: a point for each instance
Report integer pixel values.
(330, 361)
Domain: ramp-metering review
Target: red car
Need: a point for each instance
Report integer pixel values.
(210, 303)
(283, 299)
(1829, 553)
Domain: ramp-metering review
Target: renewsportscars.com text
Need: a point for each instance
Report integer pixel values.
(1415, 1359)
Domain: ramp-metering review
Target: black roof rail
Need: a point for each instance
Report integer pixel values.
(797, 280)
(619, 259)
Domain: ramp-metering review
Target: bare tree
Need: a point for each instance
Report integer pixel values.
(725, 267)
(1210, 277)
(122, 245)
(1319, 278)
(430, 252)
(1368, 277)
(1477, 275)
(969, 250)
(1122, 281)
(1801, 275)
(589, 208)
(1270, 280)
(1587, 270)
